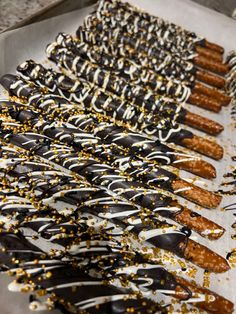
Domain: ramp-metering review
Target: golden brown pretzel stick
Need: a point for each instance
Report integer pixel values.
(208, 53)
(211, 65)
(204, 257)
(202, 123)
(200, 224)
(214, 47)
(212, 93)
(204, 146)
(199, 167)
(210, 78)
(204, 102)
(196, 194)
(214, 303)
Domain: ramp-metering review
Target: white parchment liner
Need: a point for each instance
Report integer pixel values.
(29, 43)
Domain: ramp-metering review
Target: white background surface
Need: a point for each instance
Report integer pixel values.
(30, 41)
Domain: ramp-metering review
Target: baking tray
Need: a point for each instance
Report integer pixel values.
(56, 8)
(29, 42)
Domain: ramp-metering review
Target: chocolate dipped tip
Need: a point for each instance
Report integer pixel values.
(204, 146)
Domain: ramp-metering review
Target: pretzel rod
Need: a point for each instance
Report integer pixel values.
(142, 42)
(175, 133)
(31, 71)
(131, 25)
(204, 146)
(66, 61)
(213, 46)
(137, 75)
(126, 68)
(42, 220)
(209, 126)
(207, 199)
(214, 94)
(209, 53)
(210, 78)
(166, 238)
(166, 64)
(180, 285)
(62, 277)
(204, 102)
(149, 150)
(196, 166)
(12, 203)
(200, 227)
(211, 65)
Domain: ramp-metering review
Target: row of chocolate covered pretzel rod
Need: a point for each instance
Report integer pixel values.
(164, 64)
(170, 66)
(65, 286)
(181, 40)
(97, 101)
(53, 107)
(30, 178)
(121, 76)
(141, 176)
(149, 34)
(147, 78)
(52, 80)
(123, 264)
(150, 151)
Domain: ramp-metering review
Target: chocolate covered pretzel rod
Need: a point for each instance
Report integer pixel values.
(165, 64)
(139, 76)
(144, 99)
(183, 39)
(148, 44)
(148, 174)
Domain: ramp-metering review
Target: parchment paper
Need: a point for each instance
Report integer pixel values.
(30, 42)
